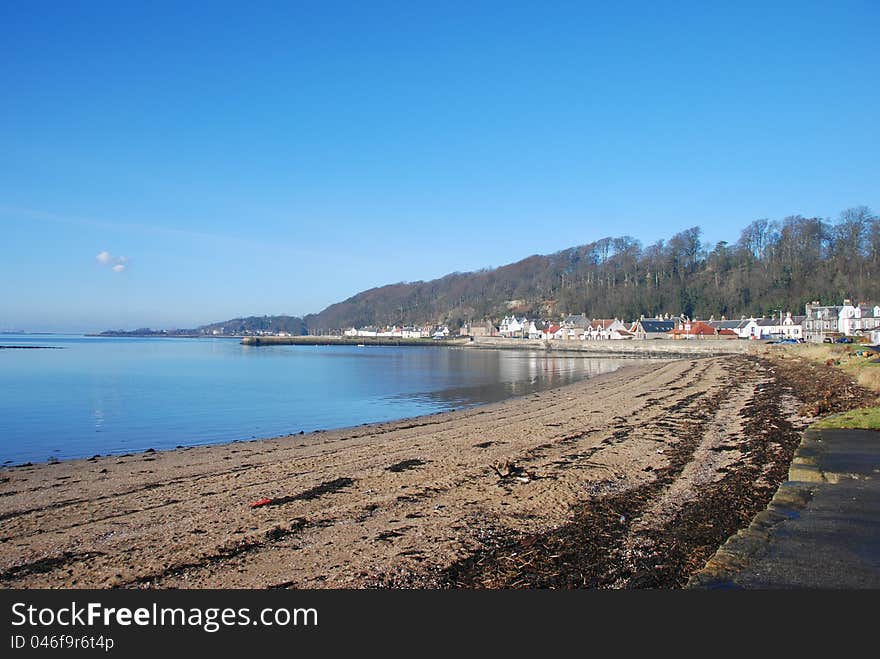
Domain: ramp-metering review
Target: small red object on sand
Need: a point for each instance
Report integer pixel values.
(260, 502)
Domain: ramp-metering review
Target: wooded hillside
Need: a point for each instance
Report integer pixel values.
(774, 265)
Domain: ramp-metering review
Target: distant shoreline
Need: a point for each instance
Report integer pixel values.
(157, 335)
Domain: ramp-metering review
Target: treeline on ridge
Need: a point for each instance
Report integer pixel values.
(775, 265)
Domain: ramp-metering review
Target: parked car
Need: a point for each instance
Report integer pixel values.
(844, 339)
(827, 340)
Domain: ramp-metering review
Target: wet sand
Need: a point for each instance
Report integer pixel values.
(414, 503)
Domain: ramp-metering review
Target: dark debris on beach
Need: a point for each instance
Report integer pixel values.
(601, 547)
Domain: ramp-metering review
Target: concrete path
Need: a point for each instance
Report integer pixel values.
(821, 530)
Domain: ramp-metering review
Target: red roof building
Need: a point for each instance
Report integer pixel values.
(693, 328)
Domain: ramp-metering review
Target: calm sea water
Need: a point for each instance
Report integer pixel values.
(119, 395)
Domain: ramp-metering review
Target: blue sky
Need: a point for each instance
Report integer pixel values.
(250, 158)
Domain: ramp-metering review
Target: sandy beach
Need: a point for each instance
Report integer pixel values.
(623, 466)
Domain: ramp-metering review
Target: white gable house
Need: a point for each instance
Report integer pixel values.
(793, 326)
(534, 332)
(858, 319)
(604, 329)
(513, 327)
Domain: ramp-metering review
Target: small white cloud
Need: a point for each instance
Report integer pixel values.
(117, 263)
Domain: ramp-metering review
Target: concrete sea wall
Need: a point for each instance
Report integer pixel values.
(632, 347)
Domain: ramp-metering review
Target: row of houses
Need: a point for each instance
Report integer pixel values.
(817, 324)
(579, 327)
(575, 327)
(400, 332)
(847, 319)
(787, 327)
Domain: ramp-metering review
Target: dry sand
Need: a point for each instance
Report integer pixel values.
(387, 504)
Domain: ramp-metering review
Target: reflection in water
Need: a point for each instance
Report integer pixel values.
(99, 420)
(516, 374)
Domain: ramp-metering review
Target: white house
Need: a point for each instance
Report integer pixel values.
(790, 327)
(605, 329)
(793, 326)
(511, 326)
(749, 329)
(769, 328)
(857, 319)
(534, 332)
(410, 332)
